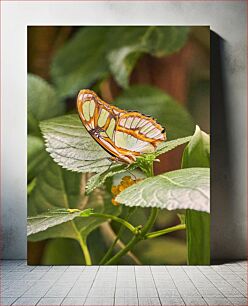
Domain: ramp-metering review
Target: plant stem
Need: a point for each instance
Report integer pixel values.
(131, 211)
(122, 252)
(85, 250)
(150, 171)
(83, 245)
(148, 225)
(137, 238)
(165, 231)
(117, 219)
(110, 250)
(150, 221)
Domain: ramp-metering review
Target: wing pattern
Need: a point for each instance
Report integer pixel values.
(124, 134)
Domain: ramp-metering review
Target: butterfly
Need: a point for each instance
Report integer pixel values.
(123, 134)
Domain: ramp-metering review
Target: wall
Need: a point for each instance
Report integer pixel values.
(226, 18)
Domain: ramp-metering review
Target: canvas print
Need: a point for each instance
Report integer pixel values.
(118, 165)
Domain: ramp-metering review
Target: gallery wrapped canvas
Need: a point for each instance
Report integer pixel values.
(118, 145)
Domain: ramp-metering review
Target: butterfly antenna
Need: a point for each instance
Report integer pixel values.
(109, 167)
(132, 174)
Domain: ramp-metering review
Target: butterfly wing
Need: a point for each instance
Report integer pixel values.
(123, 134)
(138, 133)
(100, 120)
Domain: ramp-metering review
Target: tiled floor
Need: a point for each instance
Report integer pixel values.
(123, 285)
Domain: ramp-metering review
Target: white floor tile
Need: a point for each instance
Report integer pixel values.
(166, 301)
(99, 301)
(123, 285)
(50, 301)
(149, 301)
(126, 292)
(7, 301)
(73, 301)
(194, 301)
(217, 301)
(26, 301)
(147, 292)
(239, 301)
(121, 301)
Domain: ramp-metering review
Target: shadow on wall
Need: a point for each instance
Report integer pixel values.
(224, 230)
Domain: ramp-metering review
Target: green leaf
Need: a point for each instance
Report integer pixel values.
(167, 146)
(31, 185)
(154, 102)
(43, 103)
(41, 222)
(99, 179)
(167, 40)
(71, 146)
(198, 237)
(122, 62)
(161, 251)
(197, 154)
(62, 252)
(37, 156)
(81, 62)
(87, 57)
(180, 189)
(87, 225)
(128, 43)
(63, 193)
(131, 42)
(57, 188)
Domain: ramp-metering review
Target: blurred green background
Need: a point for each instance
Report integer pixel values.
(160, 71)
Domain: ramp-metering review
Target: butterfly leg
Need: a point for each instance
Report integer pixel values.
(114, 159)
(128, 159)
